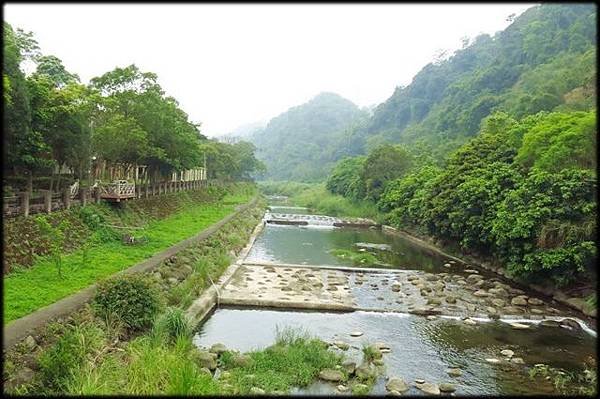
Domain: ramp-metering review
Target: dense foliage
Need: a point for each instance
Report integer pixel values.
(133, 300)
(123, 117)
(523, 189)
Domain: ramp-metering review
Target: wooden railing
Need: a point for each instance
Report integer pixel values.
(46, 201)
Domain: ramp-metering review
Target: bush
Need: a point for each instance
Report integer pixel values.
(171, 325)
(133, 299)
(60, 362)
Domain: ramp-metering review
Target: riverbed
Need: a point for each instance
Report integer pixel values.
(416, 302)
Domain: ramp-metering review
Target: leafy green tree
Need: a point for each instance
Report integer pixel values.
(25, 150)
(345, 178)
(559, 141)
(383, 164)
(547, 226)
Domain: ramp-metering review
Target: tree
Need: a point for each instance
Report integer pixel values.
(24, 147)
(344, 179)
(383, 164)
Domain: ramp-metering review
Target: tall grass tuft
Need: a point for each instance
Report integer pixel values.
(60, 362)
(171, 325)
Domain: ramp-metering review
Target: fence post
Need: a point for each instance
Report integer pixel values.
(83, 194)
(146, 190)
(66, 197)
(97, 194)
(47, 194)
(24, 203)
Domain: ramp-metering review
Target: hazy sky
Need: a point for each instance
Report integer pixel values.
(232, 64)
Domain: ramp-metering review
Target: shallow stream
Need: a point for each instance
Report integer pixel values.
(421, 347)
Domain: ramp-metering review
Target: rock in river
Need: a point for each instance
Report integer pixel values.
(342, 345)
(570, 323)
(425, 311)
(218, 348)
(331, 375)
(549, 323)
(507, 352)
(429, 388)
(473, 278)
(519, 326)
(365, 371)
(206, 359)
(454, 372)
(535, 301)
(520, 300)
(396, 384)
(447, 387)
(349, 366)
(380, 247)
(356, 333)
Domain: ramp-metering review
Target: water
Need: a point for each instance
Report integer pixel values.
(421, 348)
(313, 245)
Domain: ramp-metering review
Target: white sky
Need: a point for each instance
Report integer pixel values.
(232, 64)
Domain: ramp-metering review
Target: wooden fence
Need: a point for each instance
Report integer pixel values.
(46, 201)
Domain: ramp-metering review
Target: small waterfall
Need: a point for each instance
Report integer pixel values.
(312, 220)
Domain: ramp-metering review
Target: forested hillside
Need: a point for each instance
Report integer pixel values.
(494, 149)
(545, 59)
(305, 141)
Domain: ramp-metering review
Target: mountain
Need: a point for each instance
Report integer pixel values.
(304, 142)
(242, 132)
(545, 60)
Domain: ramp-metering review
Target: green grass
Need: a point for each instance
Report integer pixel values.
(30, 289)
(294, 361)
(146, 368)
(357, 258)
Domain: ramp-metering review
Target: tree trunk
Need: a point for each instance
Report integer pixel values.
(57, 182)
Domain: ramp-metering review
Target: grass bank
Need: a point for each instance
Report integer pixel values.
(53, 277)
(317, 197)
(94, 353)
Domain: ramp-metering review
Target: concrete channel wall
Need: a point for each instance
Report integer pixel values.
(20, 328)
(202, 306)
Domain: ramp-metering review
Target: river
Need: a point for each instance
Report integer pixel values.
(421, 347)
